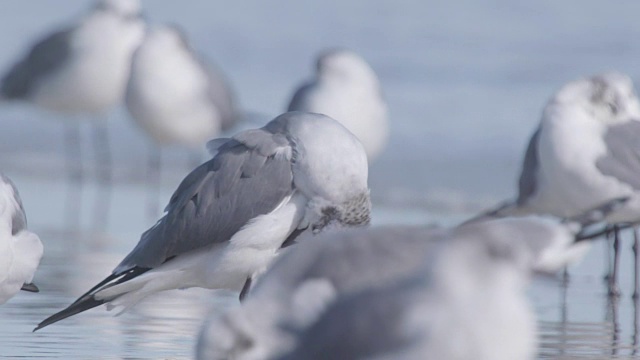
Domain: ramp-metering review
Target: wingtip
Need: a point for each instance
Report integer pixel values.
(77, 307)
(30, 287)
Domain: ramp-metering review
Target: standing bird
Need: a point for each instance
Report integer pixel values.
(585, 152)
(81, 70)
(471, 276)
(347, 89)
(20, 249)
(230, 216)
(175, 97)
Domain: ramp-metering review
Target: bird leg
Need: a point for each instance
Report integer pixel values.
(73, 158)
(613, 280)
(565, 276)
(636, 254)
(608, 234)
(245, 289)
(636, 333)
(103, 170)
(73, 153)
(153, 180)
(102, 152)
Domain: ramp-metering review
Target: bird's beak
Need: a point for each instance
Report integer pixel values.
(31, 287)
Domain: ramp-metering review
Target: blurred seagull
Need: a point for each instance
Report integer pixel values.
(79, 70)
(230, 216)
(348, 90)
(300, 286)
(175, 97)
(20, 249)
(585, 152)
(467, 300)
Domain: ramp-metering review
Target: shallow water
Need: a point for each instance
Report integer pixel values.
(465, 82)
(574, 320)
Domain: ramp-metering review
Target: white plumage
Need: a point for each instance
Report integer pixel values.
(399, 293)
(20, 249)
(585, 153)
(173, 95)
(84, 68)
(348, 90)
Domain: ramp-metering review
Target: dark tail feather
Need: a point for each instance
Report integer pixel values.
(99, 285)
(79, 306)
(88, 301)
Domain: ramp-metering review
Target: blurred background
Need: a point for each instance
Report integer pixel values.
(465, 83)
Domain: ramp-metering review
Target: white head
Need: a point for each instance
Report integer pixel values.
(124, 8)
(608, 97)
(344, 65)
(330, 167)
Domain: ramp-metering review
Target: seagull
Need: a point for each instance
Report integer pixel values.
(175, 97)
(585, 152)
(467, 301)
(230, 216)
(20, 249)
(302, 285)
(347, 89)
(81, 69)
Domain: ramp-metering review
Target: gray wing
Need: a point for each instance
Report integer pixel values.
(344, 258)
(528, 182)
(19, 219)
(245, 179)
(363, 325)
(299, 100)
(622, 160)
(45, 57)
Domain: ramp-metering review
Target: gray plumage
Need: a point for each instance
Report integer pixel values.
(363, 325)
(298, 287)
(245, 179)
(344, 258)
(622, 160)
(528, 182)
(262, 187)
(469, 276)
(354, 275)
(44, 58)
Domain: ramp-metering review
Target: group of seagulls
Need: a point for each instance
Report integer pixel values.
(400, 292)
(281, 213)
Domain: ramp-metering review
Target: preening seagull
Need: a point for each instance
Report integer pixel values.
(175, 97)
(301, 285)
(20, 249)
(230, 216)
(585, 152)
(81, 69)
(347, 89)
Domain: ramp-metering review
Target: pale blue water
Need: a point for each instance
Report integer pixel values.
(465, 81)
